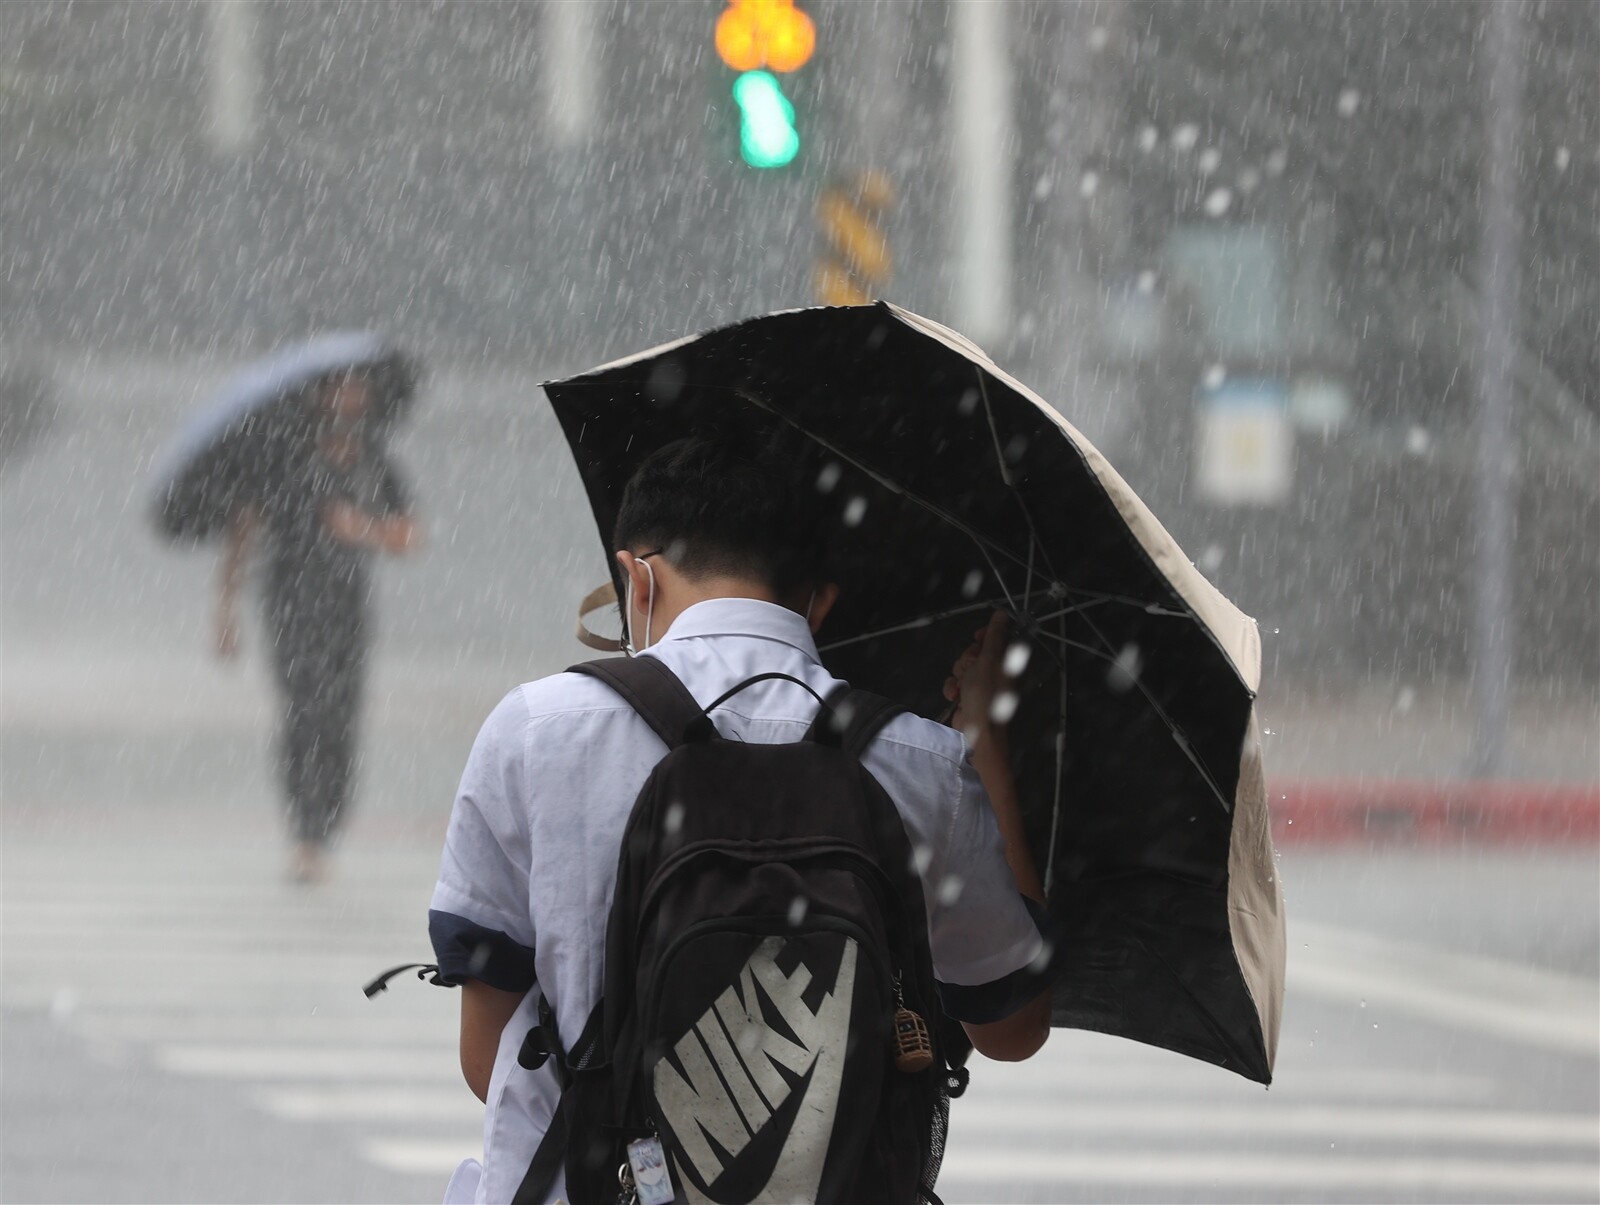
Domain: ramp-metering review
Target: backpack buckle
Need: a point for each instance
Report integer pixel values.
(535, 1051)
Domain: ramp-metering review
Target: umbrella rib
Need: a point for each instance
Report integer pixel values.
(1034, 543)
(1178, 734)
(984, 544)
(1061, 758)
(921, 621)
(1093, 598)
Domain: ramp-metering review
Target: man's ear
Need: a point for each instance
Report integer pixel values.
(633, 570)
(827, 595)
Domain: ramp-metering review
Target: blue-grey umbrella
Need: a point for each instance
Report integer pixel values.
(230, 448)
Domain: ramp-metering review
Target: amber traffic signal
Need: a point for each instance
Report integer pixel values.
(774, 34)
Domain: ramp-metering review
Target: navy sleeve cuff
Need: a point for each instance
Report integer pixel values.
(467, 950)
(981, 1003)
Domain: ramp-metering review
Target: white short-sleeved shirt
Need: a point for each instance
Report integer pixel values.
(530, 860)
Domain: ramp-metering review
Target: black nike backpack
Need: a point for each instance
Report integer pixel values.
(768, 993)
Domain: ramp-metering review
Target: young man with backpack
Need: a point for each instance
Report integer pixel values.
(707, 906)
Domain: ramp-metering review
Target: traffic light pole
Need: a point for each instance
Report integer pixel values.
(568, 71)
(232, 79)
(980, 118)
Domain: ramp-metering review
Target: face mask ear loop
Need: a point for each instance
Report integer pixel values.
(649, 607)
(627, 618)
(811, 604)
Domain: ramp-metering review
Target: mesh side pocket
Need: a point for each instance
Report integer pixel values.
(938, 1128)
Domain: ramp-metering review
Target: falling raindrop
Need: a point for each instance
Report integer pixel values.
(829, 477)
(1149, 138)
(1017, 656)
(797, 911)
(672, 822)
(667, 380)
(855, 510)
(1124, 671)
(972, 583)
(1349, 102)
(1218, 201)
(950, 889)
(1003, 707)
(1185, 136)
(1210, 159)
(1089, 184)
(1215, 376)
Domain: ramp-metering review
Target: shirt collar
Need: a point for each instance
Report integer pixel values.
(743, 617)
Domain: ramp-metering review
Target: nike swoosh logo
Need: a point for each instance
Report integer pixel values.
(799, 1171)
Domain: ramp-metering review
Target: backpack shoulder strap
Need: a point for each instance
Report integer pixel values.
(543, 1043)
(852, 719)
(655, 692)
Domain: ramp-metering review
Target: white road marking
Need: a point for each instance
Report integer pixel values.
(215, 968)
(1526, 1181)
(375, 1104)
(1478, 1127)
(1504, 1000)
(309, 1063)
(1057, 1072)
(417, 1158)
(371, 1026)
(1515, 1181)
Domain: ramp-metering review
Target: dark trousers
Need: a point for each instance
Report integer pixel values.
(320, 670)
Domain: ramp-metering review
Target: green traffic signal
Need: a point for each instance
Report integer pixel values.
(767, 137)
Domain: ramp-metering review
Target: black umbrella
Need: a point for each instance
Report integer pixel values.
(232, 446)
(959, 491)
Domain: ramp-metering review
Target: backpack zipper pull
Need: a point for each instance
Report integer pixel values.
(913, 1048)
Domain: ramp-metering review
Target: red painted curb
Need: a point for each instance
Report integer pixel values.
(1374, 810)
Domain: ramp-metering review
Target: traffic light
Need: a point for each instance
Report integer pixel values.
(759, 38)
(767, 137)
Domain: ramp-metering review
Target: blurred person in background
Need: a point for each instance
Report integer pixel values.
(334, 501)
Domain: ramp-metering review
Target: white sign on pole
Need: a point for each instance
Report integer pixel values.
(1244, 444)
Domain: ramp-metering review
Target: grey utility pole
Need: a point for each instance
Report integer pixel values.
(568, 72)
(1500, 287)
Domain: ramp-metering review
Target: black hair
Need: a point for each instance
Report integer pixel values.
(722, 506)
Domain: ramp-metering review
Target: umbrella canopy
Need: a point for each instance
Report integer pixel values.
(231, 445)
(958, 491)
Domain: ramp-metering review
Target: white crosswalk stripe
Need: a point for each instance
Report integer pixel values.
(212, 969)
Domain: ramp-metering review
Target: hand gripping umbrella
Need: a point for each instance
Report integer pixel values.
(231, 447)
(959, 491)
